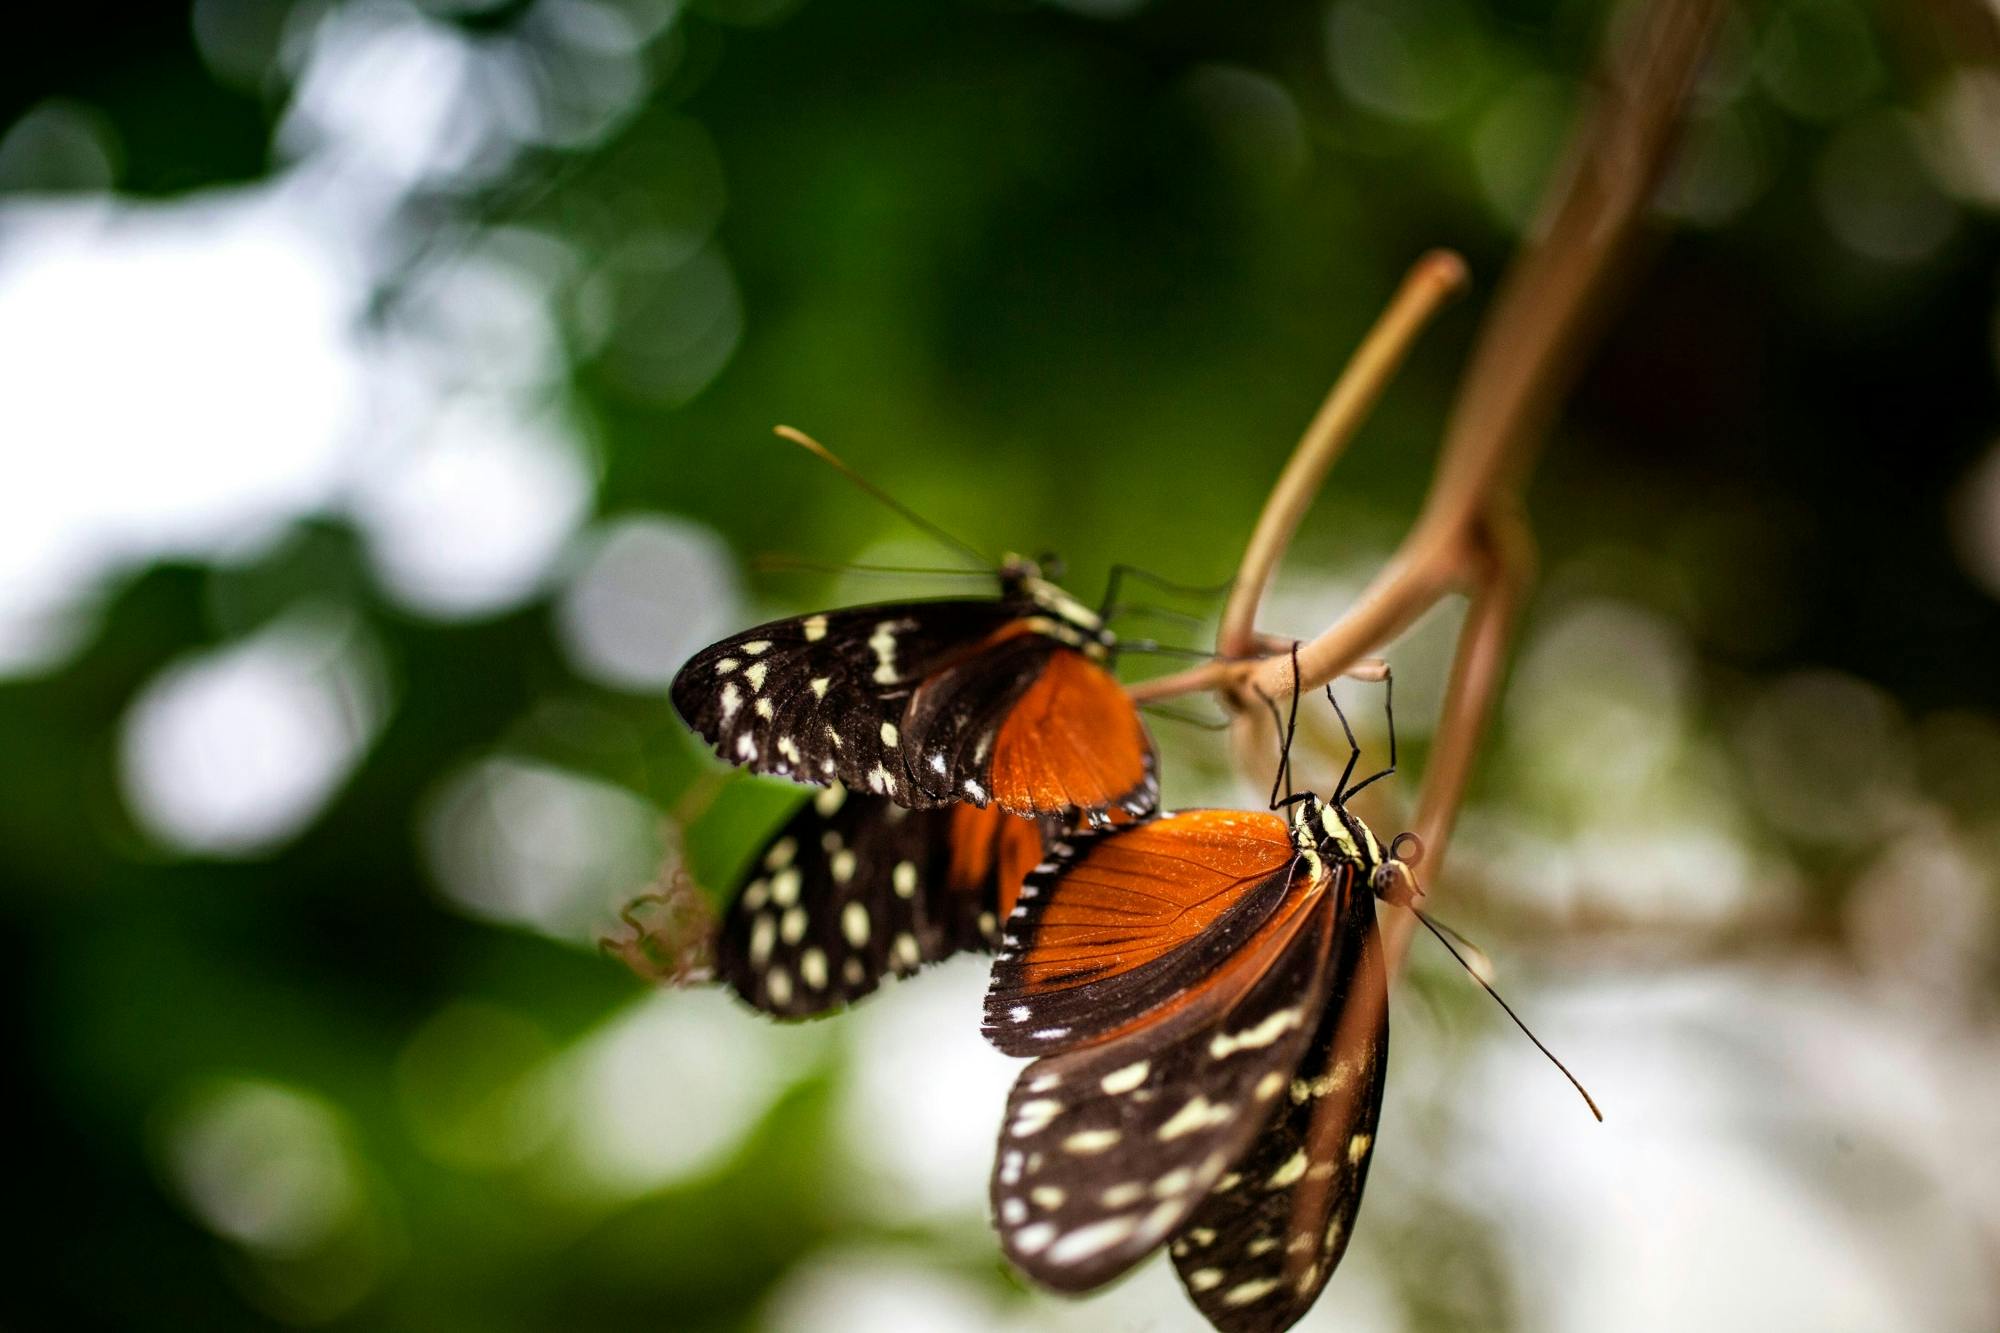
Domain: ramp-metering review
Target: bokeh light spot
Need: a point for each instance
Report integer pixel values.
(650, 591)
(1828, 757)
(233, 752)
(922, 1109)
(263, 1164)
(466, 1084)
(513, 840)
(670, 1088)
(1878, 195)
(470, 520)
(1411, 60)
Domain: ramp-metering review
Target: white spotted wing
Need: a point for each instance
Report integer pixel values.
(1107, 1149)
(929, 704)
(1255, 1255)
(854, 888)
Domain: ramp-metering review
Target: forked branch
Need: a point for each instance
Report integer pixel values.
(1470, 536)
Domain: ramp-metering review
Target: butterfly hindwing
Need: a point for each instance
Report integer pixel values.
(1108, 1148)
(854, 888)
(1255, 1255)
(822, 697)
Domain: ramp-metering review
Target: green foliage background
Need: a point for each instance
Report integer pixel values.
(1059, 279)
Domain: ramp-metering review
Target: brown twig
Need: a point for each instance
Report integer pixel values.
(1477, 669)
(1469, 534)
(1431, 281)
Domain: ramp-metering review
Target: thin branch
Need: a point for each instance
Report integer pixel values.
(1431, 281)
(1469, 534)
(1477, 670)
(1529, 349)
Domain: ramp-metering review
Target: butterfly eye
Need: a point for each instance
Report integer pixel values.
(1407, 848)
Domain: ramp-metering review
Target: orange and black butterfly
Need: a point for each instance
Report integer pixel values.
(1007, 701)
(1206, 996)
(951, 739)
(854, 888)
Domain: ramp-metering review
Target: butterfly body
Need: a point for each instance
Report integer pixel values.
(1206, 996)
(1003, 700)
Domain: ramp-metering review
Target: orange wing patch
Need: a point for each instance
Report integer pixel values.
(989, 842)
(1072, 741)
(1138, 924)
(1147, 890)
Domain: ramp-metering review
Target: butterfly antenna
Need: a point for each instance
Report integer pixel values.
(1191, 719)
(1473, 972)
(1158, 649)
(1121, 572)
(827, 456)
(1152, 612)
(1475, 957)
(786, 564)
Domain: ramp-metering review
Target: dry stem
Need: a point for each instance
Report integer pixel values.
(1470, 535)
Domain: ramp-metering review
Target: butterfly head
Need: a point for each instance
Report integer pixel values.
(1334, 832)
(1326, 834)
(1033, 580)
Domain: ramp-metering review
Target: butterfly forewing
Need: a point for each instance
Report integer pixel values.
(1259, 1248)
(854, 888)
(1107, 1149)
(822, 697)
(1120, 923)
(1034, 725)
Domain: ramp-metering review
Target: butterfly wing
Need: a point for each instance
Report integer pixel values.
(821, 698)
(1108, 1148)
(1256, 1253)
(1034, 725)
(1125, 922)
(854, 888)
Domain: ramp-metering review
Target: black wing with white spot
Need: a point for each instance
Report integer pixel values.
(854, 888)
(1255, 1255)
(821, 698)
(1106, 1150)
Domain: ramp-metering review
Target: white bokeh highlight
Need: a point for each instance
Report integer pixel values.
(186, 378)
(198, 418)
(1779, 1151)
(921, 1110)
(649, 592)
(233, 752)
(509, 839)
(669, 1089)
(262, 1164)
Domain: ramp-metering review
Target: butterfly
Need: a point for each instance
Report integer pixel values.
(1206, 998)
(854, 888)
(1007, 701)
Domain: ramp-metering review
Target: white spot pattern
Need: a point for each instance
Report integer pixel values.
(1225, 1044)
(1124, 1080)
(1198, 1113)
(1093, 1239)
